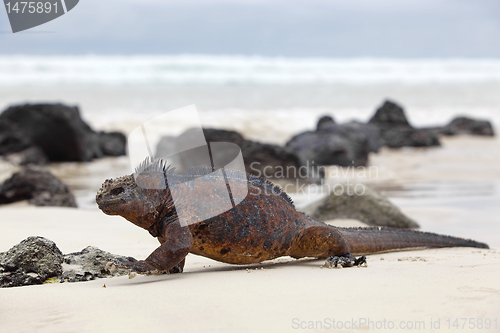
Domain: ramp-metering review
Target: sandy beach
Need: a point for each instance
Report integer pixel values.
(398, 100)
(432, 289)
(404, 289)
(453, 189)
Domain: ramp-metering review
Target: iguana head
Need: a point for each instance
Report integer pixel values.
(141, 198)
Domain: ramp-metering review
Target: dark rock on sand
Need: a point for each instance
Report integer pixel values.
(334, 144)
(32, 155)
(260, 159)
(38, 186)
(57, 129)
(361, 203)
(32, 261)
(355, 131)
(166, 149)
(325, 148)
(89, 264)
(409, 137)
(11, 138)
(324, 123)
(220, 135)
(464, 125)
(395, 131)
(371, 132)
(37, 259)
(388, 115)
(113, 143)
(268, 160)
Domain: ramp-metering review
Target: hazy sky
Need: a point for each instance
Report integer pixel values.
(312, 28)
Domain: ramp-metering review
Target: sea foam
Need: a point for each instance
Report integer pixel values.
(222, 70)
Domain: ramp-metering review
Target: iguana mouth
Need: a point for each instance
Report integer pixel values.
(105, 205)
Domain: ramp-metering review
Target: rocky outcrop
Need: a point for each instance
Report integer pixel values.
(89, 264)
(11, 137)
(359, 202)
(390, 115)
(464, 125)
(324, 123)
(395, 131)
(57, 130)
(29, 156)
(332, 144)
(399, 137)
(37, 260)
(32, 261)
(38, 186)
(325, 148)
(112, 143)
(261, 159)
(370, 132)
(220, 135)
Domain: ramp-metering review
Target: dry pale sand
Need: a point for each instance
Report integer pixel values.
(404, 288)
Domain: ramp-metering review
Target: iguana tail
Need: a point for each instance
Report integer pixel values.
(378, 239)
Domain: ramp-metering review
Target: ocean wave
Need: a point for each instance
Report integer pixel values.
(226, 70)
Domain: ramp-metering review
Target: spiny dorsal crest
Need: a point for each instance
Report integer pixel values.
(154, 165)
(150, 166)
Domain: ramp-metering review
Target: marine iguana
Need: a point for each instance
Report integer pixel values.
(264, 226)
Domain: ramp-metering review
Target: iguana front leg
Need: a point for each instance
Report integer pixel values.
(177, 245)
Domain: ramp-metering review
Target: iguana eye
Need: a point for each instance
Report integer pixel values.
(117, 191)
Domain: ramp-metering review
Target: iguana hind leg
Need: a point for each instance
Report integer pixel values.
(323, 241)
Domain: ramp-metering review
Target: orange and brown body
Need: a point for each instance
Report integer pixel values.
(264, 226)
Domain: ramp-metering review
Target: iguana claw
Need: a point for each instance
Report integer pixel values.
(135, 266)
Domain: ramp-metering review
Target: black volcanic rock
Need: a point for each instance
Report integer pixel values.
(323, 148)
(12, 139)
(38, 186)
(334, 144)
(409, 137)
(29, 156)
(464, 125)
(261, 159)
(36, 260)
(89, 264)
(324, 123)
(57, 130)
(32, 261)
(395, 131)
(112, 143)
(389, 114)
(371, 132)
(367, 206)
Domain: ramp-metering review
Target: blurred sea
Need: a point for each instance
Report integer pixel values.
(252, 93)
(272, 99)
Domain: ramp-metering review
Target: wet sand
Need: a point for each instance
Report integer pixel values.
(402, 288)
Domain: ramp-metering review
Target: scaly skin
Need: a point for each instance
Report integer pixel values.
(264, 226)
